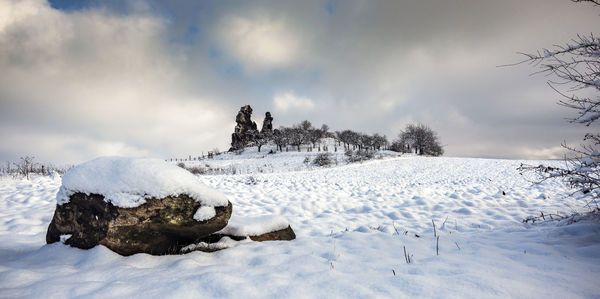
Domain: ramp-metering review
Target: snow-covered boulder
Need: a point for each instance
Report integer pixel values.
(135, 205)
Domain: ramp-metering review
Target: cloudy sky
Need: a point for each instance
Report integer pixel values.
(81, 79)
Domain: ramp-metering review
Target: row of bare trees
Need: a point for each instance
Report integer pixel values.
(419, 139)
(360, 141)
(26, 166)
(304, 133)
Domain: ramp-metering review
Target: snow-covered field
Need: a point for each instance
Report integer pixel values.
(352, 223)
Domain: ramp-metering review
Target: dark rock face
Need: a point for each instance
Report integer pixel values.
(159, 226)
(285, 234)
(245, 131)
(267, 126)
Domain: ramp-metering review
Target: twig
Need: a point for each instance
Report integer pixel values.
(542, 217)
(434, 231)
(444, 223)
(437, 245)
(457, 245)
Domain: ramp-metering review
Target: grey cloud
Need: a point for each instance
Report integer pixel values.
(158, 78)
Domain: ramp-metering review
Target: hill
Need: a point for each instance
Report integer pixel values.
(353, 224)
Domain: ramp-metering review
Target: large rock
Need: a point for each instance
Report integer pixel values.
(267, 126)
(159, 226)
(245, 131)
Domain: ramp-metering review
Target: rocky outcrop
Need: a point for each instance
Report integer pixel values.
(245, 131)
(267, 126)
(159, 226)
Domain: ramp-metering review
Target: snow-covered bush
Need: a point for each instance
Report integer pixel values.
(358, 155)
(575, 69)
(306, 160)
(322, 159)
(196, 169)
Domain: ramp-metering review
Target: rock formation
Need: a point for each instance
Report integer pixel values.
(245, 131)
(139, 205)
(267, 126)
(159, 226)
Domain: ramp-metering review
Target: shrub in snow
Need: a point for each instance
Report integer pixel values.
(196, 169)
(358, 156)
(322, 159)
(306, 160)
(135, 205)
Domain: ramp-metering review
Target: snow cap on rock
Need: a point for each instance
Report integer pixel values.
(128, 182)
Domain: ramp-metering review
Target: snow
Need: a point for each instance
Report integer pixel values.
(253, 225)
(224, 243)
(128, 182)
(205, 213)
(251, 161)
(352, 224)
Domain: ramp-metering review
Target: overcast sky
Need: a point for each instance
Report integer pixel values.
(166, 78)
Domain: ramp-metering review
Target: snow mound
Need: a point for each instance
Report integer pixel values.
(205, 213)
(128, 182)
(253, 226)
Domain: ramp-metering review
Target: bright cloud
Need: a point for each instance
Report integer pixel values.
(288, 101)
(166, 78)
(260, 41)
(87, 83)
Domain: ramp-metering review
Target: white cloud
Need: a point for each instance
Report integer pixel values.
(260, 41)
(555, 152)
(86, 83)
(288, 101)
(123, 79)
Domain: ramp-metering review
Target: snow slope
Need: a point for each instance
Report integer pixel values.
(352, 223)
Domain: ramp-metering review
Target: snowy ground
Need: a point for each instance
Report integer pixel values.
(346, 219)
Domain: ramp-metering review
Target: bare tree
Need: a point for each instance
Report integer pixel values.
(353, 139)
(280, 138)
(314, 136)
(400, 146)
(261, 139)
(345, 137)
(379, 142)
(25, 166)
(305, 125)
(575, 71)
(421, 139)
(296, 136)
(325, 130)
(365, 142)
